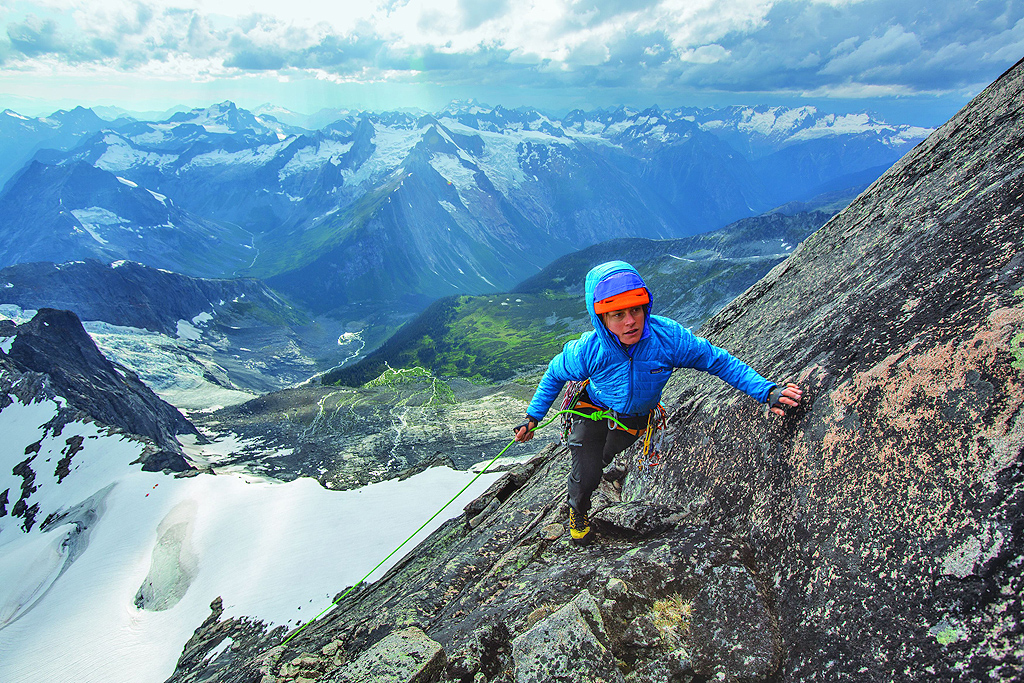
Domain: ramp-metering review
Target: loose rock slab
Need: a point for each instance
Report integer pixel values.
(406, 656)
(552, 531)
(567, 646)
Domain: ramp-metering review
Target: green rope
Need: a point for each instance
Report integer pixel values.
(596, 416)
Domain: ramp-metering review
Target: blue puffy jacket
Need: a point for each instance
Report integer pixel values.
(630, 379)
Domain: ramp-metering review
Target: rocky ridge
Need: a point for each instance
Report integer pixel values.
(53, 351)
(887, 512)
(873, 534)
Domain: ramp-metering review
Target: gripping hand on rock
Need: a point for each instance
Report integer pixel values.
(782, 396)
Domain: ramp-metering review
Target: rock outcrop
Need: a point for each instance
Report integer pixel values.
(887, 512)
(55, 345)
(873, 534)
(498, 595)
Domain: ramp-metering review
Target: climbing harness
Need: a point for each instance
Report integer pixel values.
(572, 397)
(650, 452)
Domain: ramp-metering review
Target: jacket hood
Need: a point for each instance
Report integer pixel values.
(608, 272)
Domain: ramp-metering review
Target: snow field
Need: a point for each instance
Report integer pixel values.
(313, 157)
(273, 551)
(456, 173)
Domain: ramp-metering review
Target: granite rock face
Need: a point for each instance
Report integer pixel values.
(405, 656)
(887, 511)
(566, 646)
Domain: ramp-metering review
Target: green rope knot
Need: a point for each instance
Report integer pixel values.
(597, 416)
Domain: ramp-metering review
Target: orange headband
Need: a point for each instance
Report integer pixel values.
(634, 297)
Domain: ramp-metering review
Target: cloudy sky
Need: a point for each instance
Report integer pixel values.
(912, 61)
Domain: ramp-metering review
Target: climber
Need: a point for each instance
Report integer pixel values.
(628, 359)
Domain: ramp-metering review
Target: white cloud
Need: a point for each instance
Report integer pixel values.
(663, 46)
(896, 45)
(705, 54)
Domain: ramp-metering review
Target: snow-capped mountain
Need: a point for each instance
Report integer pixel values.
(78, 210)
(228, 119)
(758, 131)
(398, 207)
(21, 136)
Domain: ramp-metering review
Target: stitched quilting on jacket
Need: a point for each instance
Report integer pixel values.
(630, 379)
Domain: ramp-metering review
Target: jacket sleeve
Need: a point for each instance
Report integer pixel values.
(697, 352)
(565, 367)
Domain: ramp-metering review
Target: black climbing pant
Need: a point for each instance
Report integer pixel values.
(593, 446)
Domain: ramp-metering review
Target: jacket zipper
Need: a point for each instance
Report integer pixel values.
(629, 383)
(631, 398)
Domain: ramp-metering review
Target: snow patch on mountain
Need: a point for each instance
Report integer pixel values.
(499, 159)
(585, 126)
(313, 157)
(187, 330)
(121, 156)
(157, 134)
(256, 156)
(96, 219)
(455, 172)
(391, 147)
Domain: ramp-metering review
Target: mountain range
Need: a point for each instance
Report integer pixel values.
(397, 210)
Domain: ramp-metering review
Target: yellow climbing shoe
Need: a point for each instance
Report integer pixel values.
(579, 527)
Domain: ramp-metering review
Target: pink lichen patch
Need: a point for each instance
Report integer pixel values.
(922, 422)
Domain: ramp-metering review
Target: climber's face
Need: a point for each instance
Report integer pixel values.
(627, 324)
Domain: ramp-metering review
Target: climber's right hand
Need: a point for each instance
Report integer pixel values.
(524, 432)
